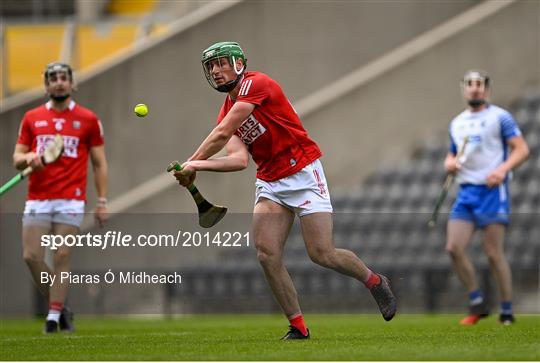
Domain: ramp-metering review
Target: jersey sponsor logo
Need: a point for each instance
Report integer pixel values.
(41, 123)
(245, 87)
(71, 144)
(42, 142)
(250, 130)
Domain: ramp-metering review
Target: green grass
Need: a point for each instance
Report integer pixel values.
(256, 337)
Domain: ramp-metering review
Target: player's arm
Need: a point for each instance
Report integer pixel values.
(100, 168)
(519, 152)
(99, 165)
(23, 157)
(222, 133)
(451, 164)
(237, 159)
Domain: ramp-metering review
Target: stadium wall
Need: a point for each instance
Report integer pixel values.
(413, 104)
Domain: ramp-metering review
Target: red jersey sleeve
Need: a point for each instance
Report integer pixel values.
(95, 138)
(222, 113)
(254, 90)
(25, 133)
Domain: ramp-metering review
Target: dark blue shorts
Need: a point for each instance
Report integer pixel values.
(482, 205)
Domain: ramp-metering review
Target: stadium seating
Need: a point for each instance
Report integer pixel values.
(386, 224)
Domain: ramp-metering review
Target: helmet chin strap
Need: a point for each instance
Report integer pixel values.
(476, 102)
(229, 86)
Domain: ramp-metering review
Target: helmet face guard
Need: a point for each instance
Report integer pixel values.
(53, 68)
(475, 75)
(219, 51)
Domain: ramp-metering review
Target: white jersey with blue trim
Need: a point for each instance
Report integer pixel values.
(488, 131)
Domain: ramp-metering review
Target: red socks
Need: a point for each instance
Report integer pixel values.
(298, 322)
(55, 309)
(56, 306)
(372, 280)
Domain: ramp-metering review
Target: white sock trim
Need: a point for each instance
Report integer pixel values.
(54, 315)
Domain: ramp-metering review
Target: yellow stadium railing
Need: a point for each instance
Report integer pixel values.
(28, 49)
(94, 43)
(131, 7)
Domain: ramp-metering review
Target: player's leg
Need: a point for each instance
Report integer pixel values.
(271, 225)
(67, 218)
(61, 262)
(493, 215)
(459, 235)
(317, 232)
(34, 254)
(58, 292)
(493, 240)
(36, 221)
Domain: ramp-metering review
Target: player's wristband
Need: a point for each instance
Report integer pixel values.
(102, 202)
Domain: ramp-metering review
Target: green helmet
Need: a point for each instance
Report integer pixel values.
(229, 50)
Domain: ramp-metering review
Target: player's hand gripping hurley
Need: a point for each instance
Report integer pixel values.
(50, 155)
(446, 187)
(209, 214)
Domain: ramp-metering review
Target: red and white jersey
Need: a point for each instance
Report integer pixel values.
(80, 129)
(273, 133)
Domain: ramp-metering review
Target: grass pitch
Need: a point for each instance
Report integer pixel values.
(256, 337)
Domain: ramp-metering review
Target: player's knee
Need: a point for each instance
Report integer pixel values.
(454, 250)
(266, 257)
(493, 259)
(493, 255)
(322, 257)
(61, 257)
(31, 257)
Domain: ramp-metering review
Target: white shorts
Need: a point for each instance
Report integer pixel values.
(304, 193)
(45, 212)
